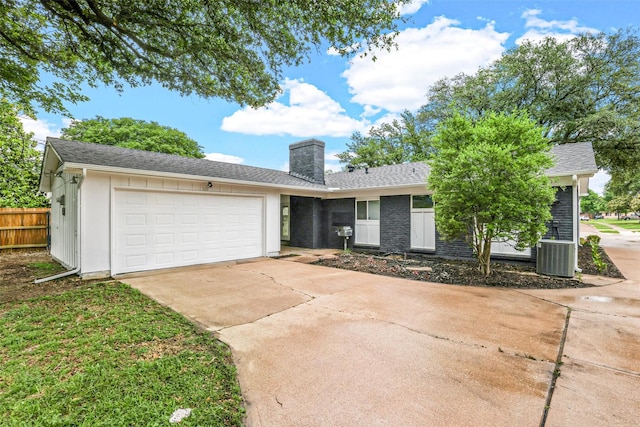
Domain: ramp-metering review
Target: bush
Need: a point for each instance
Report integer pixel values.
(594, 241)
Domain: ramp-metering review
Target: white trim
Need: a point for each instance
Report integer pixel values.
(189, 177)
(576, 220)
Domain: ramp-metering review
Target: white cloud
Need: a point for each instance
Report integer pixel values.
(310, 112)
(412, 7)
(598, 182)
(399, 80)
(41, 128)
(538, 28)
(331, 161)
(226, 158)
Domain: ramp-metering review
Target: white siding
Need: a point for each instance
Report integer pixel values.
(64, 210)
(96, 224)
(98, 191)
(507, 248)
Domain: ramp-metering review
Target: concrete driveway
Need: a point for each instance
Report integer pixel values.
(315, 346)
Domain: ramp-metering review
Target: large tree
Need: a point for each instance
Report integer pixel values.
(619, 204)
(132, 133)
(19, 162)
(593, 203)
(635, 204)
(583, 89)
(489, 184)
(390, 143)
(232, 49)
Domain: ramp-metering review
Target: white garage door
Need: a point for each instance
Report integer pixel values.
(159, 230)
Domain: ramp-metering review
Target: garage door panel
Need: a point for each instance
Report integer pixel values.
(160, 230)
(166, 258)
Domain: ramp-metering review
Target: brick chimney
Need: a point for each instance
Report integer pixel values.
(306, 160)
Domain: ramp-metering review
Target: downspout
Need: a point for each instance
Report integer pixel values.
(576, 218)
(78, 235)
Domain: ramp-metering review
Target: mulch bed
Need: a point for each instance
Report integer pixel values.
(585, 261)
(462, 272)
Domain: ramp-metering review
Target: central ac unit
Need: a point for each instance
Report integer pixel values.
(556, 258)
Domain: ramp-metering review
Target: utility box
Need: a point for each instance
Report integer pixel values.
(345, 231)
(556, 258)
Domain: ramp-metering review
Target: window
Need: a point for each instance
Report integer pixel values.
(421, 202)
(368, 210)
(361, 208)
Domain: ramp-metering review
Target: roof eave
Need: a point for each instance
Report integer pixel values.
(44, 185)
(377, 187)
(585, 172)
(144, 172)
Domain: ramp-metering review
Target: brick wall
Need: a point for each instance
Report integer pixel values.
(337, 212)
(306, 160)
(312, 224)
(305, 222)
(453, 249)
(395, 223)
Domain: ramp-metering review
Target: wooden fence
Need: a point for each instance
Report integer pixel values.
(24, 228)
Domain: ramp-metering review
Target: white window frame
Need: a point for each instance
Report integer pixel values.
(367, 232)
(423, 228)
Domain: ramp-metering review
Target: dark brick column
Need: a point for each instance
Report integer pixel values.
(305, 217)
(395, 223)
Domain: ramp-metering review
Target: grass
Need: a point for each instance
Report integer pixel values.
(105, 354)
(603, 228)
(45, 268)
(633, 225)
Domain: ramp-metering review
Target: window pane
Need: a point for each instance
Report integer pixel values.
(374, 209)
(422, 202)
(361, 208)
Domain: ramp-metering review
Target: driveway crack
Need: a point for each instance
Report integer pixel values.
(408, 328)
(556, 370)
(611, 368)
(297, 291)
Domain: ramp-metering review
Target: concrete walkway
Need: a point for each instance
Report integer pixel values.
(316, 346)
(600, 375)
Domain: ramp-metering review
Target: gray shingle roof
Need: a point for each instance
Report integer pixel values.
(105, 155)
(383, 176)
(570, 159)
(573, 159)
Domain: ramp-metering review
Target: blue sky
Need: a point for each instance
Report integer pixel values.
(331, 97)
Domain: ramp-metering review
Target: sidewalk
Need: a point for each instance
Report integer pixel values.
(599, 382)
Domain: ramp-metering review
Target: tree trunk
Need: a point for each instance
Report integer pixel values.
(484, 261)
(484, 258)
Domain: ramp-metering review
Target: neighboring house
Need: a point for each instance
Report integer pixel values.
(116, 210)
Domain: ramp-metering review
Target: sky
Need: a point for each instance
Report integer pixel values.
(331, 97)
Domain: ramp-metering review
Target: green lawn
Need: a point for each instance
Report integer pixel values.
(105, 354)
(627, 225)
(603, 228)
